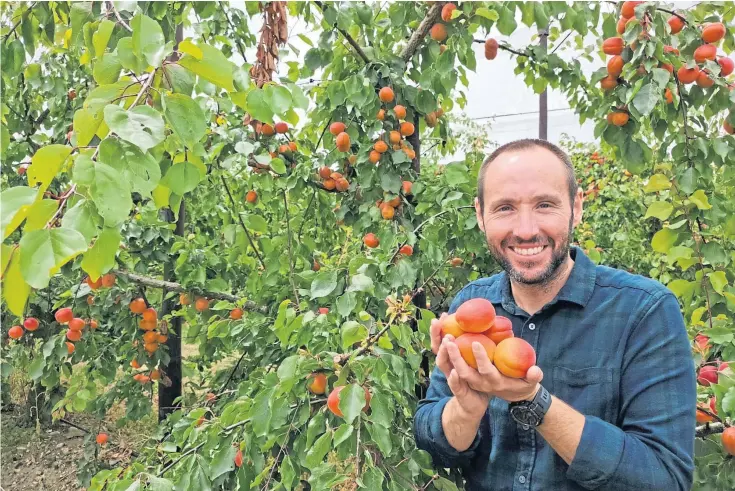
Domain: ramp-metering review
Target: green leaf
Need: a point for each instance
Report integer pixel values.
(44, 252)
(659, 209)
(159, 484)
(382, 410)
(222, 462)
(687, 181)
(40, 213)
(700, 199)
(185, 117)
(324, 284)
(663, 240)
(373, 477)
(101, 37)
(681, 288)
(141, 126)
(361, 283)
(342, 434)
(278, 165)
(542, 18)
(138, 168)
(315, 455)
(456, 174)
(86, 124)
(257, 105)
(720, 334)
(257, 223)
(279, 98)
(110, 192)
(83, 218)
(148, 40)
(45, 164)
(178, 79)
(507, 23)
(100, 258)
(657, 182)
(213, 67)
(728, 402)
(714, 253)
(351, 402)
(352, 332)
(81, 13)
(346, 303)
(381, 436)
(14, 206)
(718, 280)
(182, 177)
(35, 369)
(15, 289)
(127, 57)
(489, 14)
(106, 70)
(646, 99)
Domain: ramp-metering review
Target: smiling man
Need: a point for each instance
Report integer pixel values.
(611, 402)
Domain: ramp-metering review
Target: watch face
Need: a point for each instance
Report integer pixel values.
(524, 416)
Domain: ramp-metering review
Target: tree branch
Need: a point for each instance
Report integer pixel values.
(177, 287)
(247, 233)
(504, 47)
(432, 16)
(119, 18)
(237, 39)
(290, 252)
(349, 38)
(709, 429)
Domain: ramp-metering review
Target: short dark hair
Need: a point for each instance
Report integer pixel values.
(525, 144)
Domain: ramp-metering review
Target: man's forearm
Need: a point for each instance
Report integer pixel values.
(562, 429)
(460, 428)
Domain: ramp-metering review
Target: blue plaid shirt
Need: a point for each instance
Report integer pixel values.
(612, 345)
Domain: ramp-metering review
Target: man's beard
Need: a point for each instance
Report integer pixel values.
(558, 257)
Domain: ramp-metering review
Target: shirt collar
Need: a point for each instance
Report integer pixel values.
(578, 288)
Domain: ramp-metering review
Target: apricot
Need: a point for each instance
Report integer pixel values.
(407, 128)
(387, 211)
(316, 266)
(707, 375)
(101, 439)
(476, 315)
(137, 306)
(343, 142)
(456, 262)
(236, 313)
(406, 186)
(323, 310)
(381, 115)
(622, 22)
(464, 343)
(447, 11)
(93, 284)
(502, 329)
(380, 146)
(324, 172)
(608, 83)
(352, 159)
(728, 128)
(238, 458)
(108, 280)
(628, 9)
(374, 157)
(400, 112)
(703, 80)
(615, 66)
(31, 324)
(281, 127)
(318, 383)
(385, 95)
(336, 128)
(728, 440)
(329, 184)
(155, 375)
(147, 325)
(76, 324)
(267, 130)
(72, 335)
(669, 96)
(135, 364)
(620, 118)
(394, 137)
(15, 332)
(438, 33)
(333, 400)
(150, 337)
(430, 120)
(727, 65)
(705, 52)
(70, 347)
(292, 146)
(150, 314)
(687, 75)
(150, 347)
(703, 417)
(406, 250)
(676, 24)
(371, 240)
(491, 49)
(713, 32)
(201, 304)
(514, 356)
(613, 46)
(184, 299)
(448, 325)
(342, 184)
(63, 316)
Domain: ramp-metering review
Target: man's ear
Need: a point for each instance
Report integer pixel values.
(577, 207)
(478, 215)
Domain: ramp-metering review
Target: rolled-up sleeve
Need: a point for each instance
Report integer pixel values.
(653, 446)
(427, 423)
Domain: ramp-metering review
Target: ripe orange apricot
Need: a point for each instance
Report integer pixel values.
(381, 115)
(615, 66)
(238, 458)
(447, 11)
(703, 417)
(374, 157)
(687, 75)
(15, 332)
(155, 375)
(669, 96)
(101, 439)
(150, 347)
(620, 118)
(150, 314)
(464, 343)
(491, 48)
(713, 32)
(400, 112)
(406, 186)
(324, 172)
(676, 24)
(608, 83)
(726, 65)
(93, 284)
(728, 440)
(317, 383)
(371, 240)
(281, 127)
(704, 80)
(150, 337)
(333, 400)
(31, 324)
(342, 184)
(135, 364)
(728, 128)
(476, 315)
(162, 338)
(387, 211)
(395, 202)
(668, 67)
(448, 325)
(76, 324)
(705, 52)
(406, 250)
(613, 46)
(329, 184)
(385, 95)
(438, 33)
(394, 137)
(64, 315)
(513, 357)
(620, 27)
(201, 304)
(70, 347)
(137, 306)
(267, 130)
(502, 329)
(108, 280)
(184, 299)
(72, 335)
(236, 313)
(343, 142)
(147, 325)
(380, 146)
(628, 9)
(284, 149)
(337, 127)
(407, 128)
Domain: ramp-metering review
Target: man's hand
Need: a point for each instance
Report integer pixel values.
(487, 379)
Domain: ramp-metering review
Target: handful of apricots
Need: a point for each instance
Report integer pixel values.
(475, 321)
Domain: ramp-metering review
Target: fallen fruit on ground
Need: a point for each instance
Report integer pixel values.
(101, 438)
(514, 356)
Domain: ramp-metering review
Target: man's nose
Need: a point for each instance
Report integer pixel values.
(526, 228)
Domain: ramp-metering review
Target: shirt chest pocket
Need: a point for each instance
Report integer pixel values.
(591, 391)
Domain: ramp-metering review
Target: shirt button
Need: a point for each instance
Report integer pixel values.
(521, 479)
(532, 326)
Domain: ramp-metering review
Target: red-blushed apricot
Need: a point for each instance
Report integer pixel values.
(318, 383)
(707, 375)
(238, 458)
(613, 46)
(502, 329)
(138, 306)
(101, 439)
(63, 316)
(15, 332)
(705, 52)
(333, 400)
(386, 95)
(728, 440)
(676, 24)
(476, 315)
(713, 32)
(703, 417)
(464, 343)
(324, 310)
(628, 9)
(513, 357)
(337, 127)
(76, 324)
(448, 325)
(70, 347)
(236, 313)
(31, 324)
(72, 335)
(201, 304)
(108, 280)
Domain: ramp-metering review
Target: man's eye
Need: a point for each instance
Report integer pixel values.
(545, 205)
(504, 208)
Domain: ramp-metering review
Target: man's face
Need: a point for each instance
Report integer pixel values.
(527, 217)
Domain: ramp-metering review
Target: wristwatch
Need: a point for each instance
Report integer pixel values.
(531, 413)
